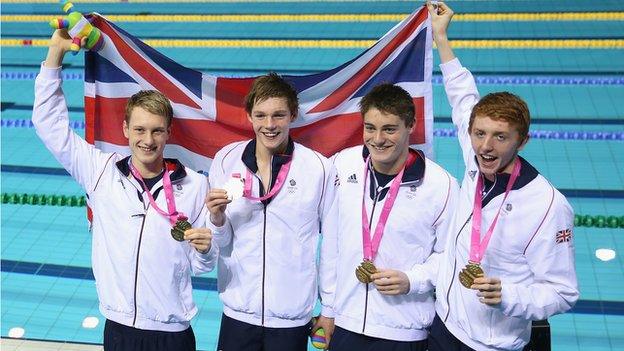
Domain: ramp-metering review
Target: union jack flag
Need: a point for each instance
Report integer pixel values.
(563, 236)
(209, 112)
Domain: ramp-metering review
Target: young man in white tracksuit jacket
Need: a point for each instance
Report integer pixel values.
(527, 268)
(393, 310)
(142, 275)
(268, 238)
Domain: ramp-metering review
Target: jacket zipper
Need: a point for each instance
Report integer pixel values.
(370, 224)
(264, 238)
(136, 271)
(263, 260)
(448, 292)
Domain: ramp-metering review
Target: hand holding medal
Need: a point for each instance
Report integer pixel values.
(370, 245)
(199, 238)
(490, 290)
(216, 201)
(178, 220)
(472, 276)
(182, 225)
(391, 282)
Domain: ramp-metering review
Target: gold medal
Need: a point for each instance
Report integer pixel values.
(471, 272)
(364, 271)
(177, 232)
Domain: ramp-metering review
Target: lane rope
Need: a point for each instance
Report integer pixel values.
(438, 132)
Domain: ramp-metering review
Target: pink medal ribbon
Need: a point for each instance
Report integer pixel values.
(279, 182)
(371, 246)
(173, 215)
(477, 246)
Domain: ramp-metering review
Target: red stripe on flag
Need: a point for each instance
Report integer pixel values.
(352, 85)
(89, 119)
(145, 69)
(331, 134)
(108, 126)
(418, 136)
(230, 97)
(206, 137)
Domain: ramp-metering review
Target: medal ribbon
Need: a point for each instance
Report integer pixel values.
(371, 246)
(279, 182)
(173, 215)
(477, 246)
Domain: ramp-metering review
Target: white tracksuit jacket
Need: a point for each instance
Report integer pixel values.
(537, 272)
(142, 274)
(267, 270)
(413, 240)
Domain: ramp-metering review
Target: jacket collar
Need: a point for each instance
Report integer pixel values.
(413, 173)
(249, 159)
(174, 166)
(527, 174)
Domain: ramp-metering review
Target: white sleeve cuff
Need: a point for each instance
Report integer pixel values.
(508, 297)
(209, 256)
(220, 234)
(327, 311)
(417, 280)
(50, 73)
(450, 67)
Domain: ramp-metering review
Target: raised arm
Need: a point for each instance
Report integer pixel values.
(440, 20)
(51, 119)
(459, 83)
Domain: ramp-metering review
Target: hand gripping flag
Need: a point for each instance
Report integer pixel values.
(209, 112)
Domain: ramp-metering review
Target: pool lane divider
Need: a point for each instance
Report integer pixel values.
(334, 18)
(436, 79)
(599, 221)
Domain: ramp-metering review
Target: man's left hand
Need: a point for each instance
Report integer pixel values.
(490, 290)
(391, 282)
(199, 238)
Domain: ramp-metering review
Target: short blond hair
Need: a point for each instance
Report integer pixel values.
(151, 101)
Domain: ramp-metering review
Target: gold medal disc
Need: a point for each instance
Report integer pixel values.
(469, 273)
(364, 271)
(177, 232)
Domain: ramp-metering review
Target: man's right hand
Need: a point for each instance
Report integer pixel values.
(217, 201)
(60, 43)
(328, 327)
(440, 19)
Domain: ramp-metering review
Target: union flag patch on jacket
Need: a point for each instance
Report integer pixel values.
(563, 236)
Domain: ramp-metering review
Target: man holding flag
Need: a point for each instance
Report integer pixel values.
(510, 256)
(143, 207)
